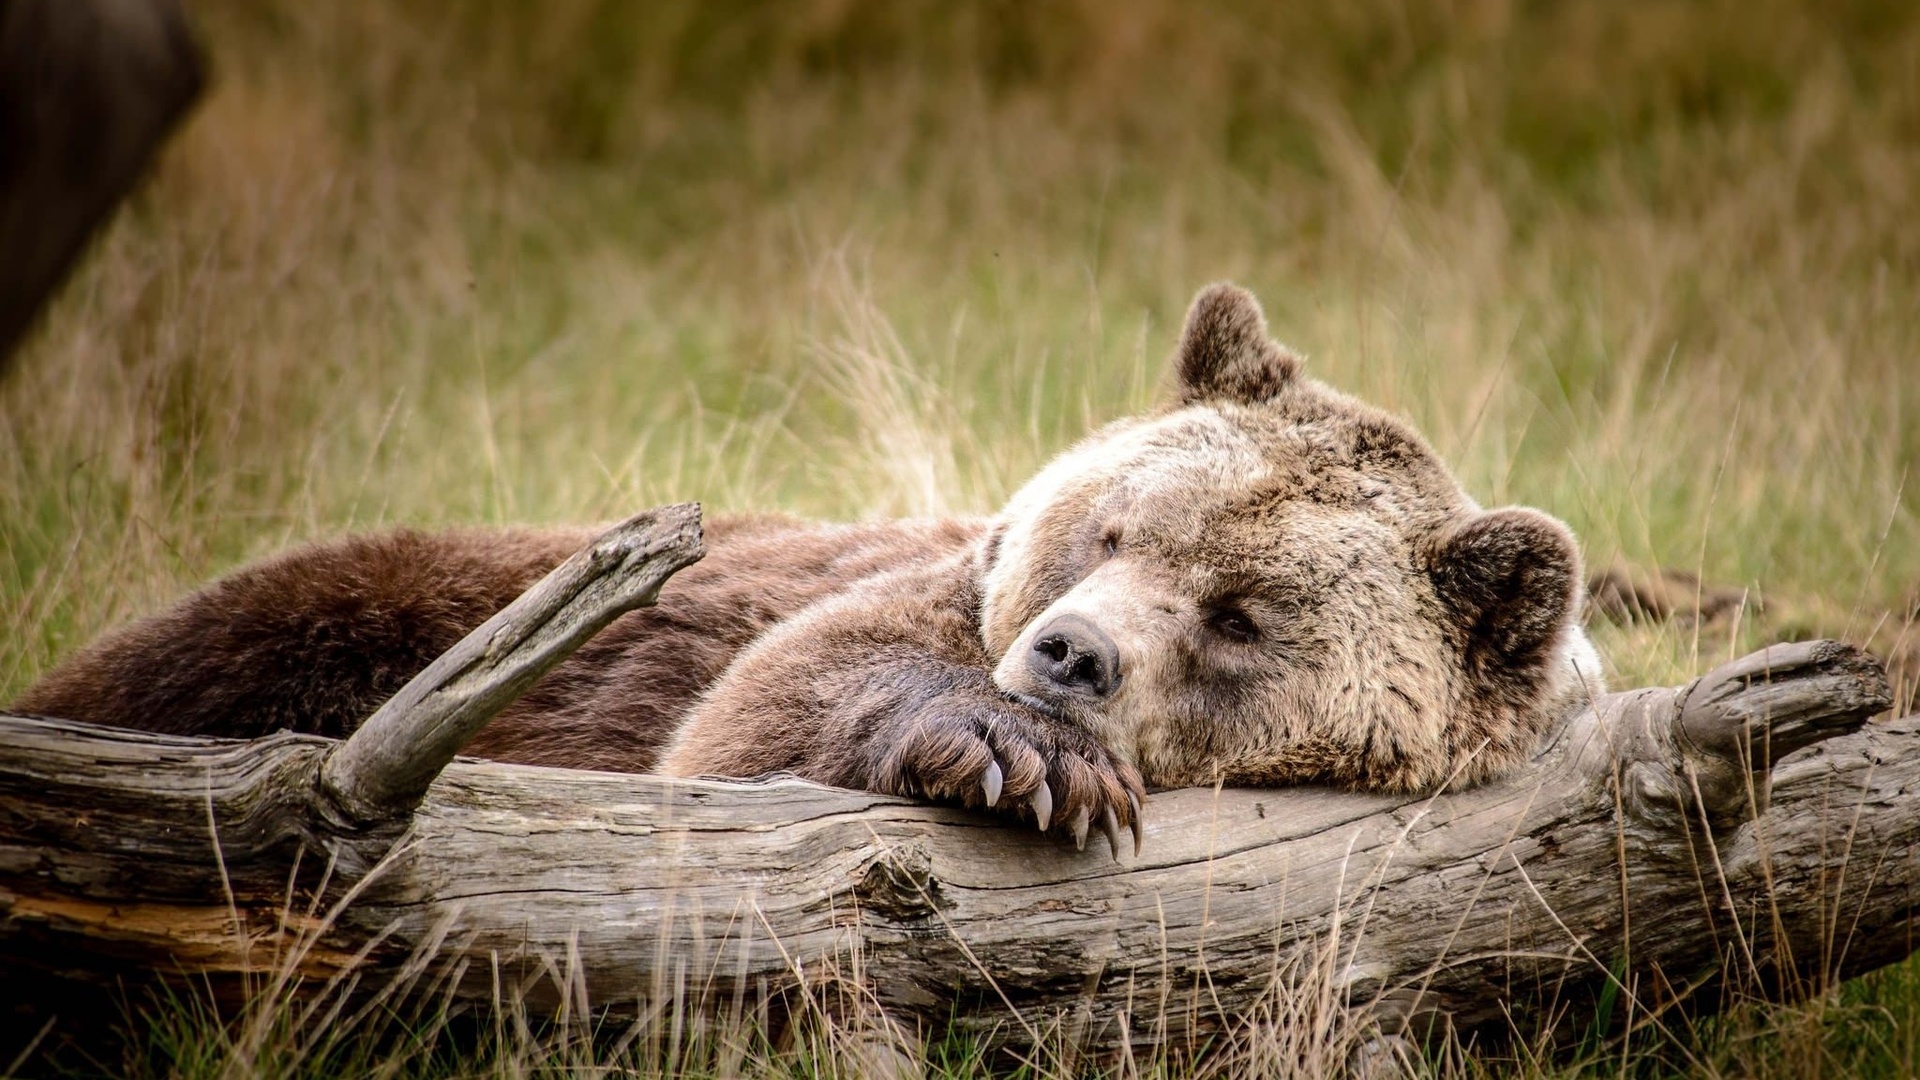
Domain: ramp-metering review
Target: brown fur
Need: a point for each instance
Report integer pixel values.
(1264, 582)
(315, 639)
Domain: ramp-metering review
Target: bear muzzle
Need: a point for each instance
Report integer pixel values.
(1071, 655)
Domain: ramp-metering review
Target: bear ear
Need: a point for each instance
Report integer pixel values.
(1511, 579)
(1225, 352)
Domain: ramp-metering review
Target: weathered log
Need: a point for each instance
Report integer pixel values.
(1626, 854)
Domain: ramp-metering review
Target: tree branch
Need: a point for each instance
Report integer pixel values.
(383, 769)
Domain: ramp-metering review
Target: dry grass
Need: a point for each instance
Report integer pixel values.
(823, 1021)
(1651, 267)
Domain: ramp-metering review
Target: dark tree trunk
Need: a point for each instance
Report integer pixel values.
(88, 91)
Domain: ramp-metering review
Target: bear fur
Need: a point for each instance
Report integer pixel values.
(1262, 582)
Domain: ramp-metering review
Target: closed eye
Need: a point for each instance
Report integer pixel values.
(1110, 542)
(1234, 625)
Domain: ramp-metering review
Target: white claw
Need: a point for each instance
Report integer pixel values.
(1111, 826)
(1082, 818)
(990, 784)
(1139, 830)
(1043, 805)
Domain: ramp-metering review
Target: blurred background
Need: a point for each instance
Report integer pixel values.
(1653, 267)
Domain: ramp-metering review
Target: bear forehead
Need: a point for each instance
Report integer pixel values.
(1331, 448)
(1241, 497)
(1302, 549)
(1232, 471)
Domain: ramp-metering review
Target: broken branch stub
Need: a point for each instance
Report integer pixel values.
(383, 769)
(1766, 705)
(1706, 750)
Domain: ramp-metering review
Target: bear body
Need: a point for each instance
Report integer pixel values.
(314, 640)
(1262, 582)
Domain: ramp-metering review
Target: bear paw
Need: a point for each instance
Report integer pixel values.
(1002, 757)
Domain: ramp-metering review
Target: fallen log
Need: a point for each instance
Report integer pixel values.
(1750, 823)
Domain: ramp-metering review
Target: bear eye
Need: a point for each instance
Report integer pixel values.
(1110, 542)
(1235, 624)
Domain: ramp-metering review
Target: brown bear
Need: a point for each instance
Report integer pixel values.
(1262, 582)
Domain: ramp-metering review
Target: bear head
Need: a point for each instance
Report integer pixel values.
(1269, 582)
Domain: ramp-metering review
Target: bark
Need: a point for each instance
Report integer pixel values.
(1750, 823)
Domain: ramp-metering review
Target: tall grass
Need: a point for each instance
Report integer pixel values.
(1653, 267)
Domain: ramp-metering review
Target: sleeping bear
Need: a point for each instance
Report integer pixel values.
(1262, 581)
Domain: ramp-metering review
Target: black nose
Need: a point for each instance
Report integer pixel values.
(1073, 654)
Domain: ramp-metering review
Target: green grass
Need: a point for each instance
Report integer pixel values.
(1652, 267)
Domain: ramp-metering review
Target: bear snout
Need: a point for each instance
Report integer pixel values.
(1074, 655)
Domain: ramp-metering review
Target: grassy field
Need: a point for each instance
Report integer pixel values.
(1654, 268)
